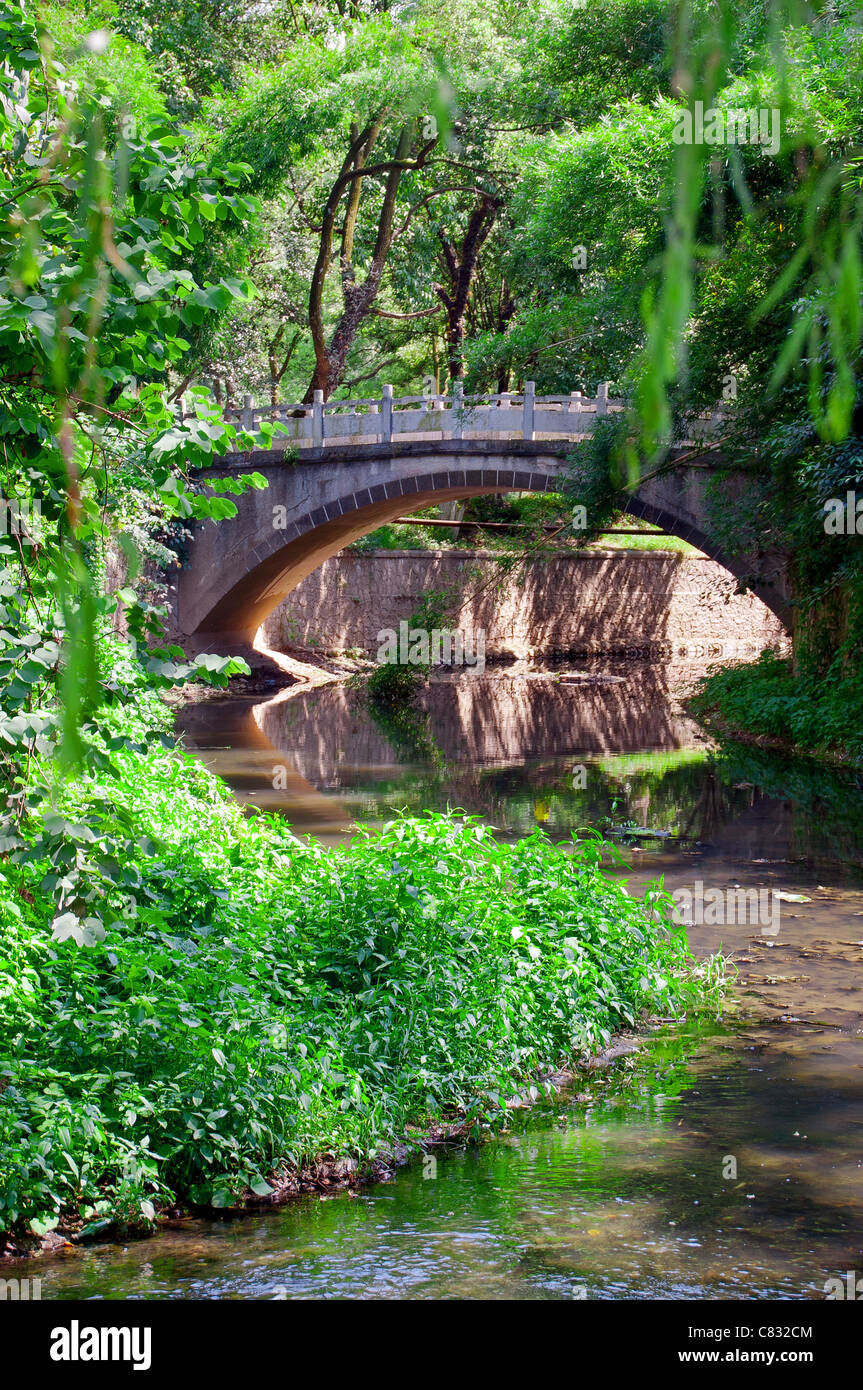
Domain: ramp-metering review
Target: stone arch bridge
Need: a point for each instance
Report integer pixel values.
(344, 468)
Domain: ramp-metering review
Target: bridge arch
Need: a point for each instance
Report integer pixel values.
(239, 570)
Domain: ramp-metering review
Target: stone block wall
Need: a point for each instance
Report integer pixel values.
(661, 602)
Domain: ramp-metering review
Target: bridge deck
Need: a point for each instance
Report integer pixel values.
(434, 418)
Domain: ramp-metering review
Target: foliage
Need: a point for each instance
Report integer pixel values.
(98, 216)
(254, 1001)
(393, 684)
(804, 711)
(718, 275)
(94, 302)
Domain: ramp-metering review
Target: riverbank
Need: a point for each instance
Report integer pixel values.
(327, 1175)
(766, 705)
(615, 1187)
(231, 1003)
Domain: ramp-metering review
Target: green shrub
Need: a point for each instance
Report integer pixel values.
(257, 1001)
(765, 697)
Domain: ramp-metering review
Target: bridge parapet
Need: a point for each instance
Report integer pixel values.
(428, 418)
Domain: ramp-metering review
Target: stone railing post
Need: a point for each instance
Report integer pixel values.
(458, 410)
(602, 398)
(387, 415)
(248, 408)
(317, 419)
(527, 411)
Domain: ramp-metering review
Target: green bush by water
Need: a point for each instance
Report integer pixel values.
(820, 713)
(257, 1001)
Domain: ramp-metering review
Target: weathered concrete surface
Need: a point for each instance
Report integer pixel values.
(238, 571)
(574, 602)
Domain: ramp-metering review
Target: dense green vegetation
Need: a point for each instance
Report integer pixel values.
(331, 196)
(802, 711)
(254, 1001)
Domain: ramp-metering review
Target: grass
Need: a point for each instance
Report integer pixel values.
(645, 541)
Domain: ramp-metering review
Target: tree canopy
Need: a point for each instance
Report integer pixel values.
(329, 196)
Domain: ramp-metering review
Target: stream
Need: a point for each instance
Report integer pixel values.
(720, 1162)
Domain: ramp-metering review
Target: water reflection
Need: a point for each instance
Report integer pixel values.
(610, 749)
(500, 719)
(617, 1191)
(622, 1188)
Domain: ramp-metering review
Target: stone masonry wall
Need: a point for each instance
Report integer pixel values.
(577, 602)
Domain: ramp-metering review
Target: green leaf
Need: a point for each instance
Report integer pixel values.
(42, 1225)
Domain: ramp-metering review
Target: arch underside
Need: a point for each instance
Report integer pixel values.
(280, 560)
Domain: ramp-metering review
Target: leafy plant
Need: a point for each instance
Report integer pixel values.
(254, 1001)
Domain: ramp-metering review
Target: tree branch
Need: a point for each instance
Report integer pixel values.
(418, 314)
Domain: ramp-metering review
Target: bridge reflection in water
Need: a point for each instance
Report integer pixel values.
(613, 750)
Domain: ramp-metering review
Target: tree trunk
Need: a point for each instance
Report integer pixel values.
(331, 358)
(462, 269)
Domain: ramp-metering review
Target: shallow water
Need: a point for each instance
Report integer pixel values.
(618, 1193)
(725, 1163)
